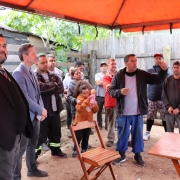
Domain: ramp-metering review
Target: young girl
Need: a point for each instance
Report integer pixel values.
(84, 112)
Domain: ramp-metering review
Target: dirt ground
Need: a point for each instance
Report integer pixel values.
(156, 168)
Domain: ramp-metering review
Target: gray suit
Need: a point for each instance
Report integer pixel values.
(31, 91)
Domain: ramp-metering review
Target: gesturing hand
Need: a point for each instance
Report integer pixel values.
(163, 65)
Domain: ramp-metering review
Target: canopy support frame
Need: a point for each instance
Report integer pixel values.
(120, 9)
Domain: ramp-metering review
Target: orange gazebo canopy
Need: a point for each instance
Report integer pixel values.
(127, 15)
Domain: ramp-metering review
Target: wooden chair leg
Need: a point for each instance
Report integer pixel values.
(91, 168)
(100, 171)
(112, 172)
(176, 165)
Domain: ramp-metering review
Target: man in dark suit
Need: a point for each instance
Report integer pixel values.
(14, 118)
(28, 83)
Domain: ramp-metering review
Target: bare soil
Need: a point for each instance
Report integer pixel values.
(156, 168)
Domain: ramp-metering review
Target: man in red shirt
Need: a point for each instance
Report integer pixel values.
(110, 103)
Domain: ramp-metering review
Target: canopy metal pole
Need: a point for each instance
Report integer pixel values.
(112, 44)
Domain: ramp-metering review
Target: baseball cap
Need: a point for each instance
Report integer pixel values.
(158, 54)
(103, 63)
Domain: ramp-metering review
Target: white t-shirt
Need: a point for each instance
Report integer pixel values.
(100, 91)
(66, 82)
(57, 72)
(131, 100)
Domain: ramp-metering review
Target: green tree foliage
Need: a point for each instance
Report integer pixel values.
(64, 34)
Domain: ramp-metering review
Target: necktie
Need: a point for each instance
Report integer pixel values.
(32, 77)
(2, 71)
(35, 84)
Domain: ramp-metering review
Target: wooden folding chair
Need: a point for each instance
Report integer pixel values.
(98, 158)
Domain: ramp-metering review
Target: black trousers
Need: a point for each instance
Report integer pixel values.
(100, 101)
(69, 117)
(53, 125)
(84, 136)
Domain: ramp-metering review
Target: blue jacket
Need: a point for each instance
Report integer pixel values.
(155, 90)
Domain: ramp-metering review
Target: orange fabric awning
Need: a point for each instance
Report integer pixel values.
(127, 15)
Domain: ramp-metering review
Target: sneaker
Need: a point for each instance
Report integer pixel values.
(109, 143)
(146, 136)
(119, 161)
(138, 160)
(74, 154)
(45, 147)
(60, 154)
(69, 134)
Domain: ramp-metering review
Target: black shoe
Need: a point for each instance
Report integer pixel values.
(60, 154)
(106, 127)
(83, 150)
(37, 173)
(109, 143)
(91, 132)
(119, 161)
(138, 160)
(74, 154)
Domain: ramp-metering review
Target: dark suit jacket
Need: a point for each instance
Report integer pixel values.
(7, 116)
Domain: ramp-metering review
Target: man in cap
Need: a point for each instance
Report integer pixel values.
(154, 98)
(100, 93)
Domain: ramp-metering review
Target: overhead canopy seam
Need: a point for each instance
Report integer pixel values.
(120, 9)
(29, 4)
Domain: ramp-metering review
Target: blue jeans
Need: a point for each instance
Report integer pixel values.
(123, 130)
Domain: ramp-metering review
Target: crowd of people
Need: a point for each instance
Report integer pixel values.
(31, 102)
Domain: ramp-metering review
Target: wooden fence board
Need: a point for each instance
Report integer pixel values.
(77, 55)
